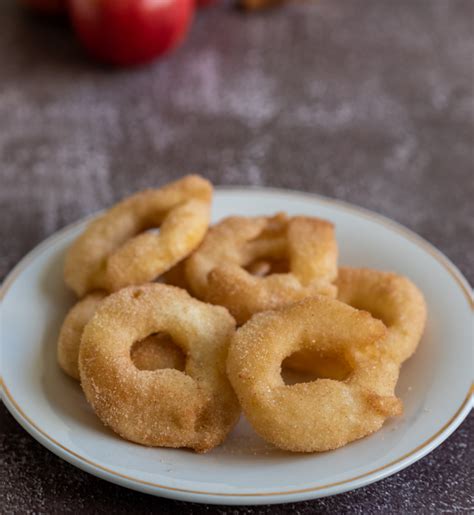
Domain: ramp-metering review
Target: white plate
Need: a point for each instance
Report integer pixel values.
(435, 384)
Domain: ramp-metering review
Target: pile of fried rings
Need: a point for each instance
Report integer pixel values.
(178, 330)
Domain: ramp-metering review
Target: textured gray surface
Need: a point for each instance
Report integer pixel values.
(366, 101)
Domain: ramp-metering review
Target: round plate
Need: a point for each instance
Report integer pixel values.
(435, 385)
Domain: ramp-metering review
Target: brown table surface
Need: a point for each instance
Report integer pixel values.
(366, 101)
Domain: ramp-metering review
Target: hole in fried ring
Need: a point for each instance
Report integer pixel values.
(306, 365)
(157, 351)
(114, 252)
(217, 272)
(164, 407)
(323, 414)
(265, 267)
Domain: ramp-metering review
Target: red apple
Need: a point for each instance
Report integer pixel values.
(128, 32)
(46, 6)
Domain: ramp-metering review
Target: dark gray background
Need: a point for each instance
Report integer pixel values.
(366, 101)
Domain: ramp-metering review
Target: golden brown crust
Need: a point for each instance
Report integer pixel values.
(323, 414)
(216, 271)
(114, 252)
(167, 408)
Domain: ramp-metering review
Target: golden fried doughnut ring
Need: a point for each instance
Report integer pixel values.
(391, 298)
(167, 407)
(155, 351)
(114, 251)
(322, 414)
(216, 271)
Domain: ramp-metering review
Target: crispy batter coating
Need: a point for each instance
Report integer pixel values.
(117, 249)
(217, 272)
(391, 298)
(322, 414)
(166, 408)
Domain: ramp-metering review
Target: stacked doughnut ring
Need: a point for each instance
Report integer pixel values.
(216, 271)
(117, 249)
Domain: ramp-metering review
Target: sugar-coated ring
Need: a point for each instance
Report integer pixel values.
(117, 250)
(155, 351)
(322, 414)
(170, 408)
(392, 298)
(217, 272)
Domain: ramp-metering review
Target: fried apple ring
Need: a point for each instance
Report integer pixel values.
(217, 272)
(392, 298)
(168, 408)
(323, 414)
(117, 250)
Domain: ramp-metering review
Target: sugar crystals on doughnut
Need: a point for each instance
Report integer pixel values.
(325, 413)
(194, 408)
